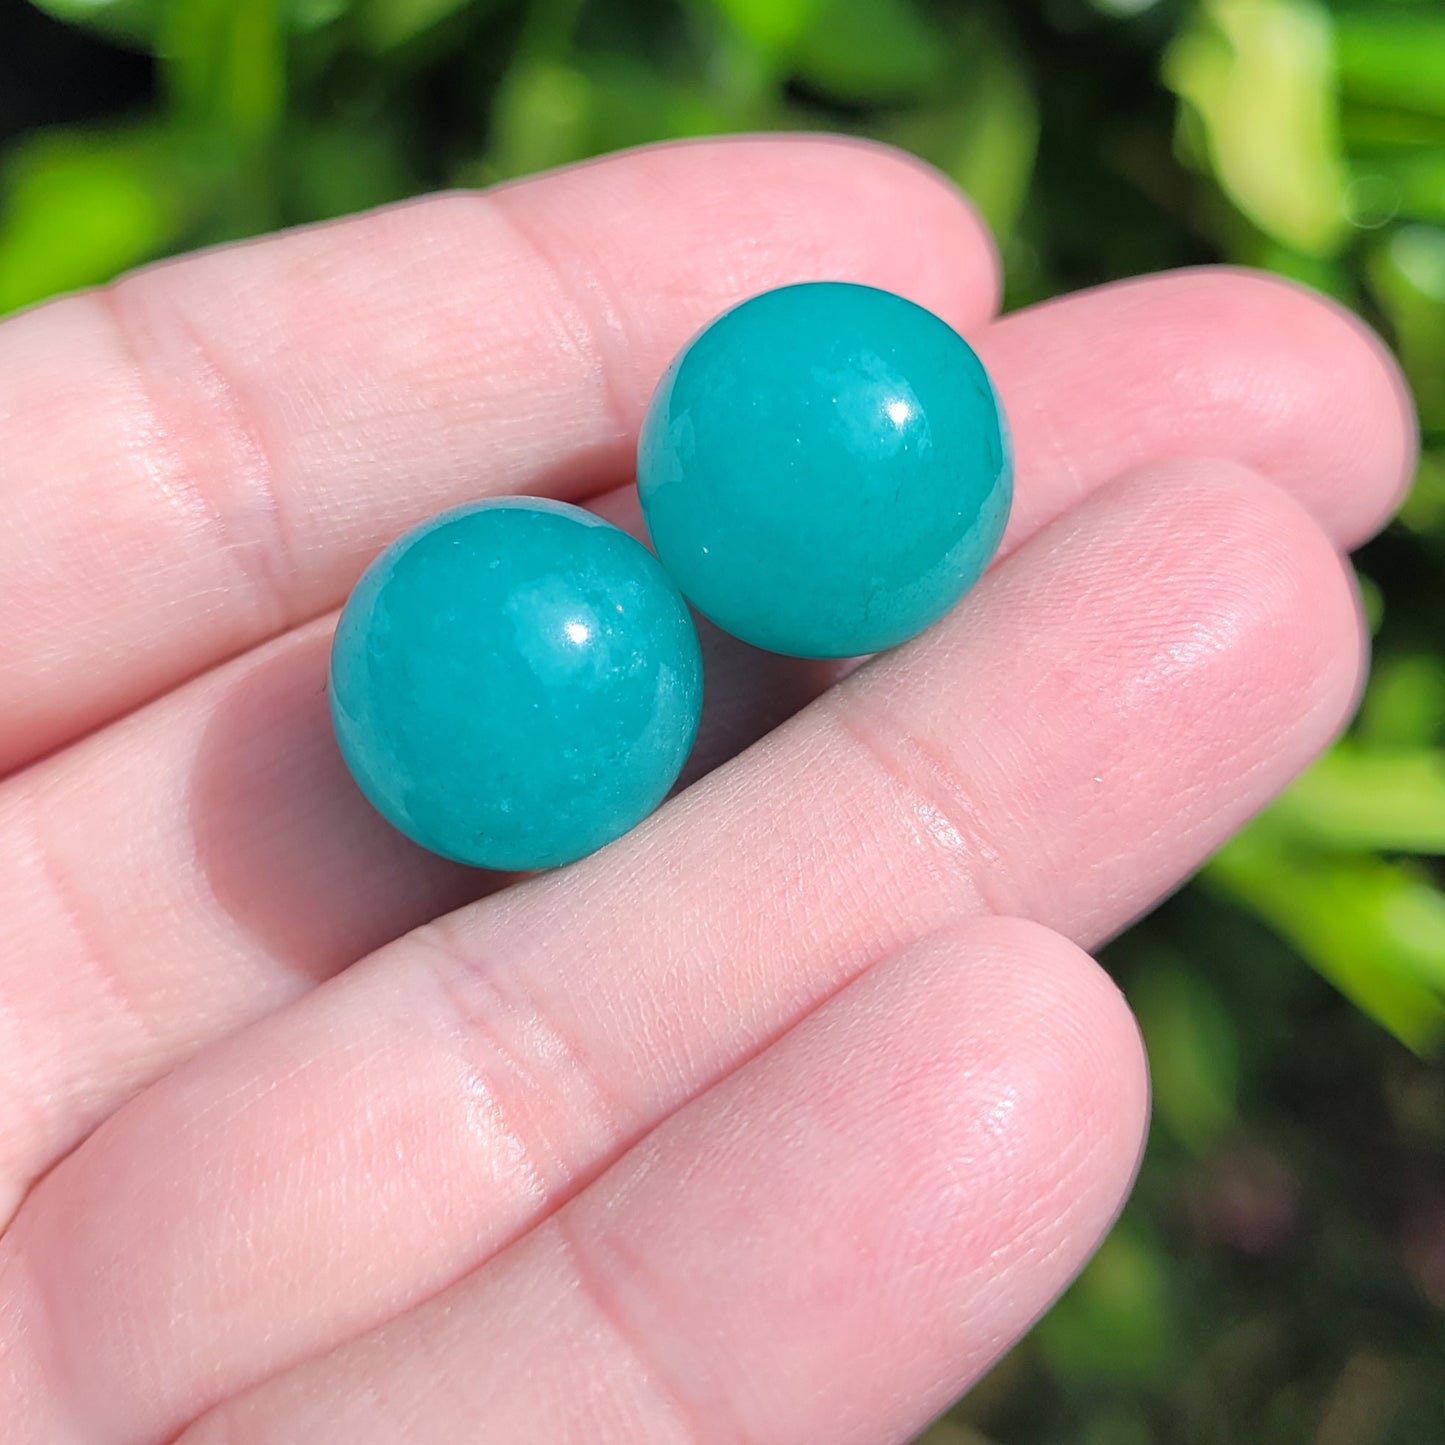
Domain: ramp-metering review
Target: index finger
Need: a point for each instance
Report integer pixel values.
(208, 452)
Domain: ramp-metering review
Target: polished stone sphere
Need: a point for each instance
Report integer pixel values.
(515, 683)
(825, 470)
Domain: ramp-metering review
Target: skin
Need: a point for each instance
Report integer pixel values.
(780, 1118)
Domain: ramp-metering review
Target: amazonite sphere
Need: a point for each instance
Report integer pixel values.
(825, 470)
(515, 683)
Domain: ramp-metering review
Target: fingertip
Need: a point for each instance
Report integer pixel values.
(1073, 1034)
(1267, 547)
(1307, 355)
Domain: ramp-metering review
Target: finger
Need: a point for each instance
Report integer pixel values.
(1115, 699)
(1212, 362)
(210, 451)
(272, 872)
(831, 1244)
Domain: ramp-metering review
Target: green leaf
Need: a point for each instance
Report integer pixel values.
(952, 1432)
(1373, 129)
(332, 169)
(131, 22)
(384, 25)
(307, 15)
(1423, 511)
(871, 51)
(1259, 74)
(1116, 1322)
(1193, 1050)
(1249, 246)
(1407, 274)
(987, 139)
(1376, 930)
(1407, 184)
(81, 206)
(1394, 60)
(1372, 602)
(226, 67)
(139, 23)
(542, 117)
(1125, 1423)
(1404, 706)
(633, 104)
(1355, 799)
(773, 27)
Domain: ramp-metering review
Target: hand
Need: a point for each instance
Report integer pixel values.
(772, 1121)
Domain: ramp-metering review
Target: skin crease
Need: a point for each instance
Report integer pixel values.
(456, 1112)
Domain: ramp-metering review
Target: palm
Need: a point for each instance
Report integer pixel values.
(764, 1123)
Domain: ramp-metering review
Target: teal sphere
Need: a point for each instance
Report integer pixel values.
(515, 683)
(825, 470)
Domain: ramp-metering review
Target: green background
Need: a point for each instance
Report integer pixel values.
(1280, 1273)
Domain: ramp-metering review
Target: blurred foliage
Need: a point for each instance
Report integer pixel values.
(1280, 1273)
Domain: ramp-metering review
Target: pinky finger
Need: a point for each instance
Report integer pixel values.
(831, 1244)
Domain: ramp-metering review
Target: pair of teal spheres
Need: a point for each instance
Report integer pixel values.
(824, 471)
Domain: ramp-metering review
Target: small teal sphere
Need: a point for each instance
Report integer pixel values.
(825, 470)
(515, 683)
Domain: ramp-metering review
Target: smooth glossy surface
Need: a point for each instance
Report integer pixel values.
(825, 470)
(515, 683)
